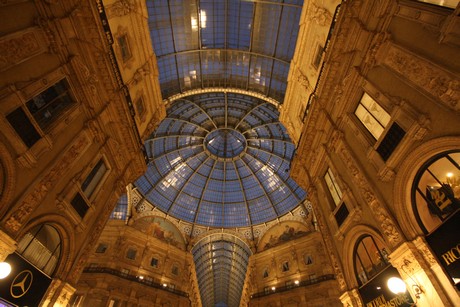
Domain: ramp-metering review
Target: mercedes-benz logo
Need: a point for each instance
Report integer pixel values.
(21, 283)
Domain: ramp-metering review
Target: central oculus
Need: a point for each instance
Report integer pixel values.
(225, 143)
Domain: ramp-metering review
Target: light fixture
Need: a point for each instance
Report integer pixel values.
(5, 269)
(165, 285)
(396, 285)
(140, 277)
(296, 282)
(273, 288)
(417, 291)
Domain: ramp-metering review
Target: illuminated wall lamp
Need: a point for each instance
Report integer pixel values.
(5, 269)
(397, 286)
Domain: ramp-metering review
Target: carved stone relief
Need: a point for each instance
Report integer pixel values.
(426, 75)
(19, 47)
(32, 200)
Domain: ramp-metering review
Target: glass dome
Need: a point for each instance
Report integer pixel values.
(221, 160)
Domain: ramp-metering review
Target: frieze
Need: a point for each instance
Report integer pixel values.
(427, 76)
(34, 198)
(19, 47)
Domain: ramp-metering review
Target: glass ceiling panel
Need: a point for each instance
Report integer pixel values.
(228, 43)
(221, 262)
(233, 173)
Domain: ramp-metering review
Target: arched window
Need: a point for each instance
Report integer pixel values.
(436, 190)
(371, 257)
(41, 246)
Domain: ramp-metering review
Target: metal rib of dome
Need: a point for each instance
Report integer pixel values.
(221, 160)
(241, 44)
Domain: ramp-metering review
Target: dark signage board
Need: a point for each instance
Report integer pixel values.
(445, 243)
(377, 294)
(26, 285)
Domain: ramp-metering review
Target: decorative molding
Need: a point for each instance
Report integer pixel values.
(312, 192)
(32, 199)
(381, 214)
(427, 76)
(120, 8)
(320, 15)
(20, 46)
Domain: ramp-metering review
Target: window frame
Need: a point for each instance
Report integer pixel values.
(80, 191)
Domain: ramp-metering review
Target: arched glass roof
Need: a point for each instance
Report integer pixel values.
(230, 43)
(221, 160)
(221, 262)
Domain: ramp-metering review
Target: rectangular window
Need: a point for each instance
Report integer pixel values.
(79, 204)
(175, 270)
(341, 214)
(392, 138)
(23, 127)
(318, 56)
(49, 104)
(124, 47)
(308, 259)
(154, 262)
(289, 284)
(333, 187)
(267, 290)
(312, 277)
(102, 247)
(372, 116)
(92, 180)
(140, 107)
(285, 267)
(80, 200)
(131, 254)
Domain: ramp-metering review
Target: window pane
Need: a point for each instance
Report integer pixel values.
(333, 187)
(94, 177)
(372, 115)
(49, 104)
(23, 127)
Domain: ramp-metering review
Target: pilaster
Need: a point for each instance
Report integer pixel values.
(420, 280)
(7, 245)
(351, 298)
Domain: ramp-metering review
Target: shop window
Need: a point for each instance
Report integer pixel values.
(101, 248)
(312, 277)
(131, 254)
(34, 119)
(154, 263)
(124, 272)
(340, 210)
(370, 258)
(289, 284)
(80, 202)
(267, 290)
(41, 246)
(285, 266)
(436, 191)
(377, 122)
(123, 44)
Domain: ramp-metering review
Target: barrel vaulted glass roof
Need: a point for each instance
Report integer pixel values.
(243, 44)
(221, 160)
